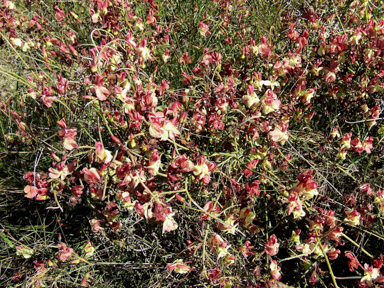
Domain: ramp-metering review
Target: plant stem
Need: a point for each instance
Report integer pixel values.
(326, 260)
(357, 245)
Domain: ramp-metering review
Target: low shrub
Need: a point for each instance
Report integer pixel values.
(206, 143)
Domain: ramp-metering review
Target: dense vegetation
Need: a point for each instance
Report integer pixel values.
(191, 143)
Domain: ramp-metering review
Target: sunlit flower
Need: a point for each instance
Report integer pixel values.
(270, 102)
(275, 270)
(203, 29)
(353, 218)
(169, 224)
(143, 51)
(278, 135)
(370, 274)
(179, 267)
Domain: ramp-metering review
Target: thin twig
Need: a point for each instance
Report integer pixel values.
(326, 260)
(357, 245)
(302, 157)
(361, 121)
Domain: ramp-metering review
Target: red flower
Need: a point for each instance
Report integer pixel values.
(150, 18)
(60, 14)
(245, 249)
(182, 164)
(64, 252)
(179, 267)
(275, 270)
(333, 253)
(353, 263)
(77, 190)
(98, 89)
(214, 275)
(95, 224)
(91, 175)
(272, 246)
(204, 29)
(67, 135)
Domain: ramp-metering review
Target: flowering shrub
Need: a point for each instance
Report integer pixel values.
(210, 143)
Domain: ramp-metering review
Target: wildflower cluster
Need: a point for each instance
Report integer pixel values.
(244, 152)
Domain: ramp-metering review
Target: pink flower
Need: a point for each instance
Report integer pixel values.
(169, 223)
(282, 69)
(357, 146)
(98, 89)
(69, 142)
(228, 225)
(55, 174)
(39, 192)
(353, 218)
(251, 99)
(182, 164)
(370, 274)
(60, 14)
(95, 225)
(166, 56)
(30, 191)
(272, 246)
(161, 127)
(308, 95)
(204, 29)
(342, 154)
(211, 209)
(129, 39)
(375, 112)
(102, 154)
(270, 102)
(179, 267)
(275, 270)
(202, 170)
(95, 16)
(95, 59)
(77, 190)
(96, 192)
(144, 210)
(48, 100)
(264, 49)
(336, 234)
(306, 188)
(251, 165)
(150, 18)
(245, 249)
(353, 263)
(64, 252)
(335, 132)
(346, 141)
(330, 77)
(214, 275)
(143, 51)
(155, 130)
(366, 188)
(229, 259)
(154, 163)
(280, 134)
(295, 206)
(171, 130)
(333, 253)
(91, 176)
(67, 135)
(367, 144)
